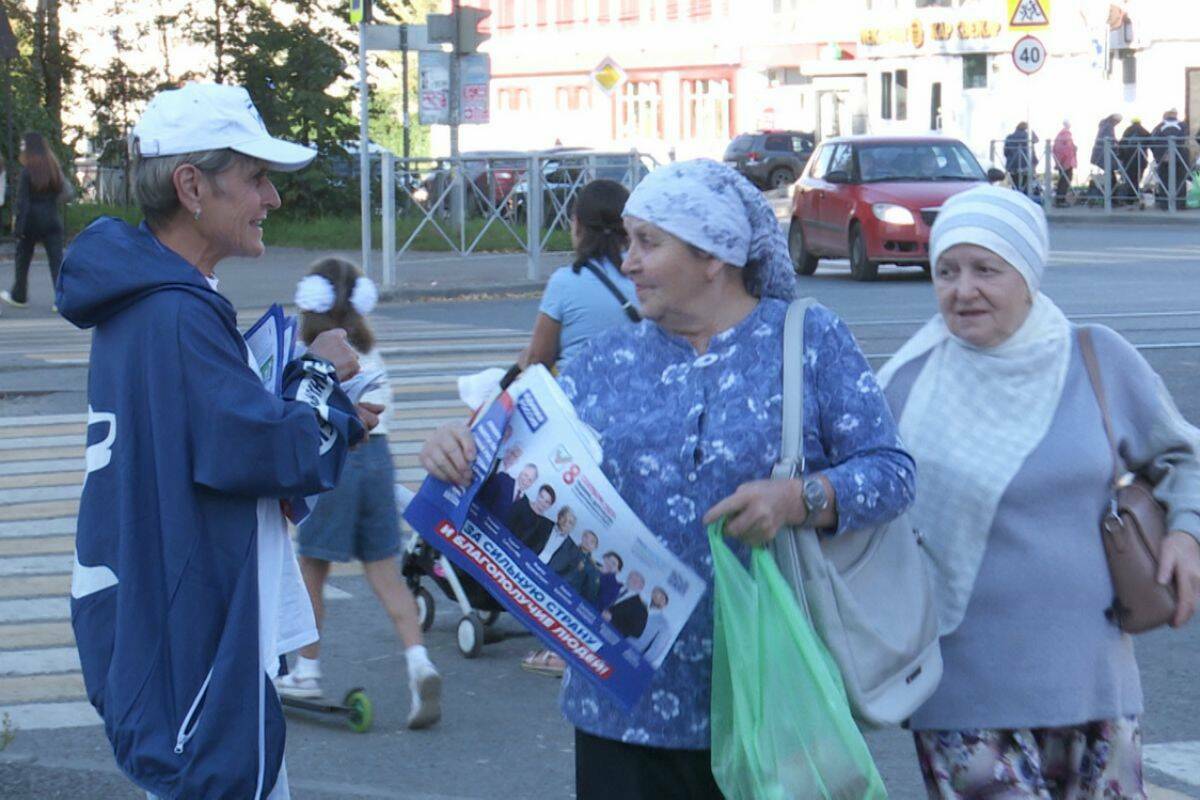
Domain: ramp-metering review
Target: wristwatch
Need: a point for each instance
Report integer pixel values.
(816, 499)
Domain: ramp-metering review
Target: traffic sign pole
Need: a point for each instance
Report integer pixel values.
(364, 157)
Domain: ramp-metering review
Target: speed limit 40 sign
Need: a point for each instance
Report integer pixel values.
(1029, 54)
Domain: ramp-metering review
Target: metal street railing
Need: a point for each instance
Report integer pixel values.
(513, 201)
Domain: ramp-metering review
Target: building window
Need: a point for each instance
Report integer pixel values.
(630, 11)
(885, 95)
(602, 12)
(706, 109)
(901, 94)
(543, 13)
(565, 12)
(513, 99)
(785, 76)
(641, 110)
(573, 98)
(934, 3)
(975, 71)
(700, 9)
(672, 9)
(507, 16)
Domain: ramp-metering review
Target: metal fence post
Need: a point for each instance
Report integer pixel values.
(1048, 184)
(1172, 174)
(458, 205)
(1108, 181)
(533, 219)
(388, 184)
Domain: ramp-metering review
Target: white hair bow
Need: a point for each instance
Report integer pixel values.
(364, 296)
(315, 293)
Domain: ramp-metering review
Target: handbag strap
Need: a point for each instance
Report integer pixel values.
(791, 453)
(1093, 370)
(626, 305)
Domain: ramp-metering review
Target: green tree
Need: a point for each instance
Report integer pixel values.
(117, 92)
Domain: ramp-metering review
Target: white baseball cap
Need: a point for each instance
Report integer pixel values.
(209, 116)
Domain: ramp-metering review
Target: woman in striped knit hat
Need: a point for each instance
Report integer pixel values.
(1041, 696)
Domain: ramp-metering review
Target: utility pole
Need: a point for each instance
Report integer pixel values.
(457, 199)
(404, 91)
(360, 12)
(8, 51)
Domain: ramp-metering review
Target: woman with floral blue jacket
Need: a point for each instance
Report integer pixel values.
(688, 405)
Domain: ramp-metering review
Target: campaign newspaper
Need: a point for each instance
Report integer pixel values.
(543, 530)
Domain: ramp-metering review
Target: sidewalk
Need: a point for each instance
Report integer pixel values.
(258, 282)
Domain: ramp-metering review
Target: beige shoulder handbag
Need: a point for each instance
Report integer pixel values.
(868, 593)
(1133, 530)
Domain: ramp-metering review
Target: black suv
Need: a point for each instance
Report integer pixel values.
(772, 159)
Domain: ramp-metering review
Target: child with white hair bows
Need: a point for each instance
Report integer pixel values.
(358, 519)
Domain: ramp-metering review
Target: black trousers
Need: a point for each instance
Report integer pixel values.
(52, 241)
(606, 769)
(1065, 175)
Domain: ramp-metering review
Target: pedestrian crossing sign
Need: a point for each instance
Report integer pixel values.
(1029, 14)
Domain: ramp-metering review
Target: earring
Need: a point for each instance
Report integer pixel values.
(196, 214)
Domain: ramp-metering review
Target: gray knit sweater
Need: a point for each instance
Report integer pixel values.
(1035, 648)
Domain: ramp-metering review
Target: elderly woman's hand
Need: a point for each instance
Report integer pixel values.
(1180, 557)
(368, 415)
(333, 347)
(757, 510)
(449, 453)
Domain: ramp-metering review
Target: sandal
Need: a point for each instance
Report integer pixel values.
(544, 662)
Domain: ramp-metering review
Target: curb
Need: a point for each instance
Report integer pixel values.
(1180, 218)
(402, 294)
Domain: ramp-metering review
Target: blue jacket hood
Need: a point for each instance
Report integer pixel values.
(112, 264)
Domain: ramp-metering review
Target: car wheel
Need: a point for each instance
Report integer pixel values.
(781, 178)
(861, 267)
(803, 262)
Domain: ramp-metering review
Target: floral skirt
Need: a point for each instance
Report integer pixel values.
(1094, 761)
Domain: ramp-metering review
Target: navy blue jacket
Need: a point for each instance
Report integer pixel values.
(182, 441)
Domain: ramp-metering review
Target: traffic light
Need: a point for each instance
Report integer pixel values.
(469, 38)
(360, 11)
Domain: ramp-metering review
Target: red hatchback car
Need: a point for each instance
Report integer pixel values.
(872, 199)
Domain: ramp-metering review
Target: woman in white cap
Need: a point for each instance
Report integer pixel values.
(688, 407)
(185, 589)
(1040, 696)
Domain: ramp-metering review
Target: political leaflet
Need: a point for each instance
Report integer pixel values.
(542, 529)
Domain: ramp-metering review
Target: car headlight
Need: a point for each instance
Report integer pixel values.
(893, 214)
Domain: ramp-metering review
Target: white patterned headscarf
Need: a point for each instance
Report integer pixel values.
(974, 414)
(712, 207)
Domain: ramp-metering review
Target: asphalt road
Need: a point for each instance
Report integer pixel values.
(502, 735)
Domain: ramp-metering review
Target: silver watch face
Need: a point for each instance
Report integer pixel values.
(815, 498)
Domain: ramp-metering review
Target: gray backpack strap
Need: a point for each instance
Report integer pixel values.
(791, 453)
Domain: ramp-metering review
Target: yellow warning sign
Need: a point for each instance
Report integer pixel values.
(608, 75)
(1029, 15)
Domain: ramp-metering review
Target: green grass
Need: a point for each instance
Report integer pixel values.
(344, 233)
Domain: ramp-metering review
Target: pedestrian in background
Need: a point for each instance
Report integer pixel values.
(1134, 153)
(1040, 695)
(1171, 129)
(1019, 158)
(591, 295)
(40, 190)
(358, 519)
(185, 590)
(714, 281)
(1066, 158)
(1106, 138)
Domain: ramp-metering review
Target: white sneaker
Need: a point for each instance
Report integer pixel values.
(8, 298)
(300, 687)
(425, 685)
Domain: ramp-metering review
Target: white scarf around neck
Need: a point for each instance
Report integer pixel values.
(972, 418)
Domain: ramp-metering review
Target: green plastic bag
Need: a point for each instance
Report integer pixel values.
(781, 724)
(1193, 195)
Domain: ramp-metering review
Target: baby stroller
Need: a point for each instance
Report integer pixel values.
(480, 610)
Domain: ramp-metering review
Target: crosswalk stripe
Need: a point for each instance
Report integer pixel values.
(36, 545)
(51, 716)
(1180, 760)
(38, 662)
(35, 609)
(37, 527)
(44, 465)
(35, 565)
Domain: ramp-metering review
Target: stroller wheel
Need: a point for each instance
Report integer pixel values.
(425, 607)
(491, 617)
(470, 636)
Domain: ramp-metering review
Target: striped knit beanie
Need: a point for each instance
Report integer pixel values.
(1001, 220)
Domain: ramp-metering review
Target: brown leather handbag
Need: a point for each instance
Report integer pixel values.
(1133, 531)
